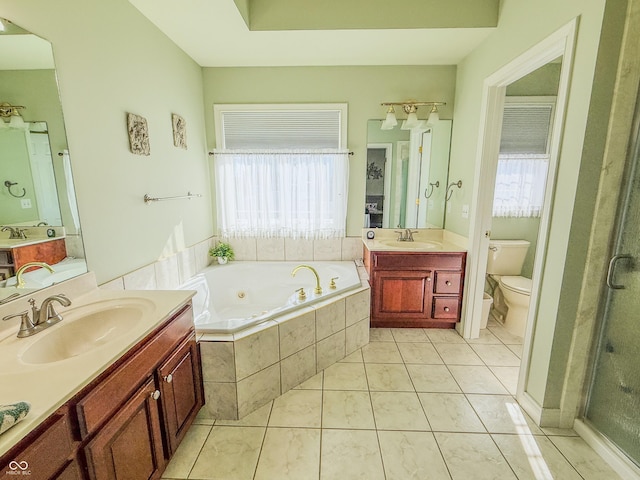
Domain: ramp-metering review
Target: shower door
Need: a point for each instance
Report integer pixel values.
(613, 401)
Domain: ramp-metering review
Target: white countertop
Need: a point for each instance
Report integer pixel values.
(48, 386)
(23, 242)
(425, 240)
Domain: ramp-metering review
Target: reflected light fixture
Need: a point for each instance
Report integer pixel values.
(12, 113)
(410, 107)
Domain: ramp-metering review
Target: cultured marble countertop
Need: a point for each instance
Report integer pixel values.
(48, 386)
(425, 240)
(23, 242)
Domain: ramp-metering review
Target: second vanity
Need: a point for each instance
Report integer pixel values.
(416, 277)
(110, 403)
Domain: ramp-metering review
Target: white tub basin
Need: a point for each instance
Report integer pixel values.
(86, 329)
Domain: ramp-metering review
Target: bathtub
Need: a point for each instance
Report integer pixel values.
(239, 295)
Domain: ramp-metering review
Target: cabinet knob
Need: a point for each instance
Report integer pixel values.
(168, 378)
(447, 283)
(155, 394)
(446, 309)
(428, 279)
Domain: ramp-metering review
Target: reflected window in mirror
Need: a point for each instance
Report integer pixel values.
(38, 212)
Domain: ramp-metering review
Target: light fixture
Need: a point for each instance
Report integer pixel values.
(2, 27)
(12, 112)
(410, 107)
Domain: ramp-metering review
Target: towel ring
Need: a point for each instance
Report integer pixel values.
(430, 189)
(10, 184)
(450, 190)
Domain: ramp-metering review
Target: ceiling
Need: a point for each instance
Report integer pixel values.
(216, 34)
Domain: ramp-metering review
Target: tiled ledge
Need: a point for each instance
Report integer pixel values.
(242, 374)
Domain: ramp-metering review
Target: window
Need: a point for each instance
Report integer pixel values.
(524, 157)
(282, 171)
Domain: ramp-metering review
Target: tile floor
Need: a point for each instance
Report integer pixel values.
(413, 404)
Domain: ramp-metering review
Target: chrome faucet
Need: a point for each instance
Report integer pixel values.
(20, 283)
(42, 318)
(318, 289)
(406, 236)
(15, 233)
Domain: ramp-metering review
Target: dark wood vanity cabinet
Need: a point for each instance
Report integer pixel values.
(421, 289)
(127, 423)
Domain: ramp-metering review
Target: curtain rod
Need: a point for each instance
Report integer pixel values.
(273, 153)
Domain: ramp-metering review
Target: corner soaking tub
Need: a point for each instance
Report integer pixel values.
(243, 294)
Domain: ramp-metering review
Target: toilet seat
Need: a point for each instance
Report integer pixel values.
(517, 284)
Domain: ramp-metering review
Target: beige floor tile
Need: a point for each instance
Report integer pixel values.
(381, 352)
(508, 376)
(458, 354)
(477, 379)
(345, 376)
(347, 409)
(517, 349)
(297, 408)
(443, 335)
(496, 355)
(388, 378)
(350, 454)
(504, 335)
(314, 383)
(355, 357)
(398, 411)
(187, 453)
(486, 337)
(257, 418)
(534, 457)
(409, 335)
(289, 453)
(419, 352)
(411, 456)
(584, 459)
(473, 456)
(449, 412)
(229, 452)
(502, 414)
(380, 335)
(432, 378)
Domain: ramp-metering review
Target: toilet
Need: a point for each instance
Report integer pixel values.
(504, 266)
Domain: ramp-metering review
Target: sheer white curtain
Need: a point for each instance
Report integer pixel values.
(282, 193)
(520, 185)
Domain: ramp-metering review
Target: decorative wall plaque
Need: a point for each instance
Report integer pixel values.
(138, 134)
(179, 131)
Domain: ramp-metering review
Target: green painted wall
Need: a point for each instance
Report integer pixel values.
(363, 88)
(111, 60)
(14, 145)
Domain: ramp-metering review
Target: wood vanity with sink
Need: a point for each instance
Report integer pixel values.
(126, 421)
(414, 287)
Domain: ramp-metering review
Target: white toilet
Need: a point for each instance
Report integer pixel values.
(504, 266)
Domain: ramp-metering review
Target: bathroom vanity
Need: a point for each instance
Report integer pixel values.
(118, 411)
(415, 284)
(15, 253)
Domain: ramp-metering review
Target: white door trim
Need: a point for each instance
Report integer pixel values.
(388, 168)
(559, 43)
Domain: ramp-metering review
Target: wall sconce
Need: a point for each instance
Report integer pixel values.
(12, 113)
(411, 109)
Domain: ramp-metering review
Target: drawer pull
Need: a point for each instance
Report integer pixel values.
(428, 279)
(446, 309)
(447, 283)
(155, 394)
(168, 378)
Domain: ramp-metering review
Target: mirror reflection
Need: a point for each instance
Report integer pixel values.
(407, 172)
(38, 213)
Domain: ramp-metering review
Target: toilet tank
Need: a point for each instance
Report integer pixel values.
(506, 257)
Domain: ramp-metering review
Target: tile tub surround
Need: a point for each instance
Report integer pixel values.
(245, 370)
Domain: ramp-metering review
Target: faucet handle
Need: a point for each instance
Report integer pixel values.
(301, 294)
(26, 325)
(332, 283)
(400, 235)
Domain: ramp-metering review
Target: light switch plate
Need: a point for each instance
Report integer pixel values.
(25, 203)
(465, 211)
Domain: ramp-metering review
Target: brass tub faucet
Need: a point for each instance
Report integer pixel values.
(318, 289)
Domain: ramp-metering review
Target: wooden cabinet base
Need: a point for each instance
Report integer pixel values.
(406, 323)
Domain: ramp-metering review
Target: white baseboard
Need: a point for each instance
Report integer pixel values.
(608, 451)
(530, 406)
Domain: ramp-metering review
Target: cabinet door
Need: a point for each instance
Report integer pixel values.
(71, 472)
(402, 294)
(181, 387)
(129, 446)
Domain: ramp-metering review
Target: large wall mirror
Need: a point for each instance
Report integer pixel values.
(38, 212)
(407, 173)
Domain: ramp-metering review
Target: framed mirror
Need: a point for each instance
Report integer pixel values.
(38, 211)
(407, 173)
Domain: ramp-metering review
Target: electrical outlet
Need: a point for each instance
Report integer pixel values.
(25, 203)
(465, 211)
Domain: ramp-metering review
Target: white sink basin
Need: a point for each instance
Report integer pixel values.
(85, 329)
(411, 245)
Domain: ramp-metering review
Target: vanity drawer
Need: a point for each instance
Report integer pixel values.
(447, 282)
(118, 384)
(445, 308)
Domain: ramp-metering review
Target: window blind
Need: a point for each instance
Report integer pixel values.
(526, 128)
